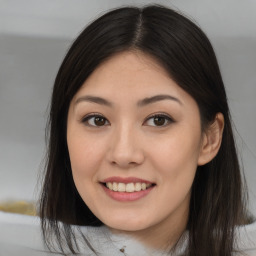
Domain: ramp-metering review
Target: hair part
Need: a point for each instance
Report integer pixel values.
(217, 204)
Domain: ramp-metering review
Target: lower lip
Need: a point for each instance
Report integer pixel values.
(127, 196)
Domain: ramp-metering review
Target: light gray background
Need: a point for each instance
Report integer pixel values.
(35, 35)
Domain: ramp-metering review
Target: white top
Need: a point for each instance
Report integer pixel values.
(20, 235)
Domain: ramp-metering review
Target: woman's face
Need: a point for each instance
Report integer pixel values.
(134, 139)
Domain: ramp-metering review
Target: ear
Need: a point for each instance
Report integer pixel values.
(211, 141)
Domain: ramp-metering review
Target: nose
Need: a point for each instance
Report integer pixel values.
(125, 150)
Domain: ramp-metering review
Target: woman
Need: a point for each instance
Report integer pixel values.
(141, 143)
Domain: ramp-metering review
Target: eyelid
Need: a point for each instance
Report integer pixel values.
(85, 119)
(160, 114)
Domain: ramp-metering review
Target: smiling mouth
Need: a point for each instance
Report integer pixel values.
(128, 187)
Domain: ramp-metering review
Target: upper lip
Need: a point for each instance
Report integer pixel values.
(126, 180)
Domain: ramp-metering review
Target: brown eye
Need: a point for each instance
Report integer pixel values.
(159, 120)
(95, 120)
(99, 121)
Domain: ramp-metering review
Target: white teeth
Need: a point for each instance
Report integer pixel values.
(129, 187)
(121, 187)
(115, 188)
(137, 186)
(110, 185)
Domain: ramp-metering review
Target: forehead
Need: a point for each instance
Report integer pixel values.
(134, 62)
(129, 72)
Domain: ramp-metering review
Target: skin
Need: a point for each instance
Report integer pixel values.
(130, 144)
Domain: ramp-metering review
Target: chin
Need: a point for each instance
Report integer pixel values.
(127, 224)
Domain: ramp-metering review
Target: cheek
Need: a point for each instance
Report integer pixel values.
(176, 156)
(176, 164)
(85, 155)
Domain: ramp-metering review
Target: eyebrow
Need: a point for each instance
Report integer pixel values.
(140, 103)
(94, 99)
(157, 98)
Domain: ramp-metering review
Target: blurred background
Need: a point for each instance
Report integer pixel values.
(34, 37)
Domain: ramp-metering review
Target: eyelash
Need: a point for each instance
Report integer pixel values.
(87, 118)
(167, 119)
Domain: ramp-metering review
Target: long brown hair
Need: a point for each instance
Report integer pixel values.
(217, 202)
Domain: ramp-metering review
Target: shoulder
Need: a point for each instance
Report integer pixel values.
(246, 239)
